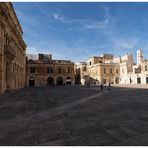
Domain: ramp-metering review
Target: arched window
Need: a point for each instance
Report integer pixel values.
(50, 81)
(59, 70)
(31, 81)
(59, 81)
(32, 69)
(68, 70)
(49, 70)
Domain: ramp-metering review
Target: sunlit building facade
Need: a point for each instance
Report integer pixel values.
(44, 71)
(107, 69)
(12, 50)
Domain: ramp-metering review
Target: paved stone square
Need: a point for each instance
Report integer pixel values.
(74, 115)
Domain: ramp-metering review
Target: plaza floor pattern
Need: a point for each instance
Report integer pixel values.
(74, 115)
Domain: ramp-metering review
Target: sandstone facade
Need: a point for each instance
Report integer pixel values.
(117, 70)
(47, 72)
(12, 50)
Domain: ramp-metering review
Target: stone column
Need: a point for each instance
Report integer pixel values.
(2, 81)
(54, 80)
(9, 74)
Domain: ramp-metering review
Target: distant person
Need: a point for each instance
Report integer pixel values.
(88, 84)
(101, 86)
(94, 83)
(109, 85)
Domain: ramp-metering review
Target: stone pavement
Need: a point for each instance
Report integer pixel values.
(74, 116)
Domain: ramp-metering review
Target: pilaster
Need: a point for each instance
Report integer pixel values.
(2, 81)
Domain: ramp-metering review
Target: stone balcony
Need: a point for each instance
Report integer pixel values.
(9, 52)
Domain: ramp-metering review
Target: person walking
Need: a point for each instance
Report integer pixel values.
(101, 86)
(109, 87)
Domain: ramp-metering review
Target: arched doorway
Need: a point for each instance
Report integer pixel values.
(31, 81)
(68, 81)
(50, 81)
(59, 81)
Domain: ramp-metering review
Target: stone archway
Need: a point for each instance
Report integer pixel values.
(31, 81)
(59, 81)
(68, 81)
(50, 81)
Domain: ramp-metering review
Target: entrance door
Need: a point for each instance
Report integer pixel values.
(104, 81)
(50, 81)
(146, 80)
(68, 81)
(138, 80)
(31, 83)
(59, 81)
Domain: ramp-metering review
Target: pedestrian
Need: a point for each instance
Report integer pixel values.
(109, 87)
(101, 86)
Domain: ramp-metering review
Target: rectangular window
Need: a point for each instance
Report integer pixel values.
(145, 67)
(49, 70)
(139, 80)
(104, 70)
(32, 70)
(122, 71)
(69, 70)
(110, 70)
(117, 71)
(84, 68)
(59, 70)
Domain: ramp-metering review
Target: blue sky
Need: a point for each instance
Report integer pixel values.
(77, 30)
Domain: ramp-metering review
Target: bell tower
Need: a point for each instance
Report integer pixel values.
(139, 56)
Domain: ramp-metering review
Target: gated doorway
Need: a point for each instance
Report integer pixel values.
(138, 80)
(68, 81)
(59, 81)
(104, 81)
(31, 81)
(146, 80)
(50, 81)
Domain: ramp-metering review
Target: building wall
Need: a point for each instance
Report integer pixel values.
(83, 72)
(109, 73)
(41, 75)
(107, 69)
(142, 74)
(12, 50)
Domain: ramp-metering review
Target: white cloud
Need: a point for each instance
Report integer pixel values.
(85, 23)
(32, 50)
(58, 17)
(96, 24)
(126, 45)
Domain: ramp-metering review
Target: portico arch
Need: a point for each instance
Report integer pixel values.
(59, 81)
(50, 81)
(68, 81)
(32, 81)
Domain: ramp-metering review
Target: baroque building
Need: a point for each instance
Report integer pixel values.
(116, 70)
(12, 50)
(99, 69)
(42, 70)
(139, 74)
